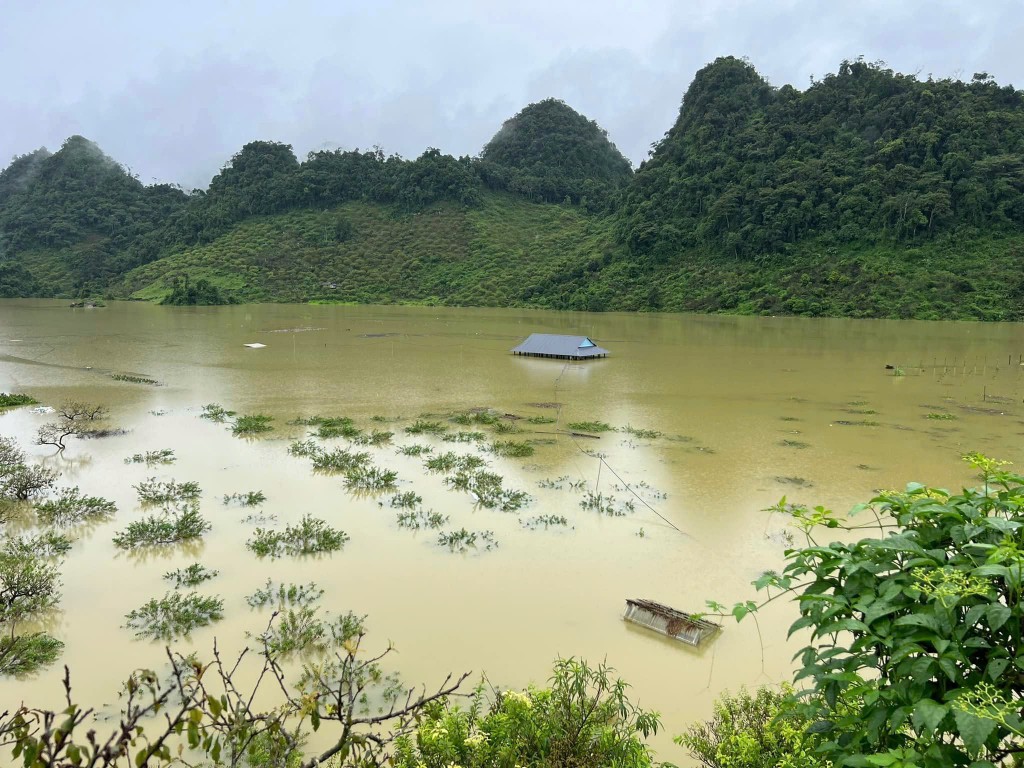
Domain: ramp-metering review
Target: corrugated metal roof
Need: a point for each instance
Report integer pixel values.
(559, 345)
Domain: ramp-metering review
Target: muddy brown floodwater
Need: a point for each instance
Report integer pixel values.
(750, 409)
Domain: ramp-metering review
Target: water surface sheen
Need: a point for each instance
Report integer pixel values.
(751, 409)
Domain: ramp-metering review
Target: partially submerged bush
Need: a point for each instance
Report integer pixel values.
(215, 412)
(246, 499)
(488, 490)
(19, 480)
(415, 449)
(22, 655)
(607, 505)
(331, 427)
(406, 500)
(174, 615)
(506, 427)
(376, 438)
(421, 427)
(153, 491)
(511, 449)
(643, 434)
(252, 424)
(71, 507)
(15, 399)
(282, 595)
(416, 519)
(533, 523)
(590, 426)
(170, 527)
(191, 576)
(449, 462)
(304, 448)
(340, 460)
(73, 419)
(370, 479)
(29, 590)
(152, 458)
(463, 437)
(462, 540)
(311, 536)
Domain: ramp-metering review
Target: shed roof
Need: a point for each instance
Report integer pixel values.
(558, 345)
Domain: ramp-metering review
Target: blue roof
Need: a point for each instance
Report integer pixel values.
(559, 346)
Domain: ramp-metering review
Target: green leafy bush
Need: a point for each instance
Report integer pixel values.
(759, 730)
(252, 424)
(191, 576)
(152, 458)
(310, 537)
(153, 491)
(71, 507)
(13, 400)
(914, 653)
(169, 527)
(174, 615)
(583, 719)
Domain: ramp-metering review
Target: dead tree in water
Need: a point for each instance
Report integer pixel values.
(73, 419)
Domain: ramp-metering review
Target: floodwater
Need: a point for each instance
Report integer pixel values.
(750, 409)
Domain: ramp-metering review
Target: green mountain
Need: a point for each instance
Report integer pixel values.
(869, 194)
(550, 152)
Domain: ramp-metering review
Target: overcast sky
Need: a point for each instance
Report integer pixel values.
(171, 89)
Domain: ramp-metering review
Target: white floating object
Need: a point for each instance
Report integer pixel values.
(41, 409)
(255, 345)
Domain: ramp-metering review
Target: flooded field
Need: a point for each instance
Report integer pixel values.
(725, 416)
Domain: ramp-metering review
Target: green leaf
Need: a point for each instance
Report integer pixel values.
(997, 615)
(928, 714)
(995, 668)
(973, 729)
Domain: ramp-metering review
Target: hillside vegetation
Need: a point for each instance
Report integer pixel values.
(869, 194)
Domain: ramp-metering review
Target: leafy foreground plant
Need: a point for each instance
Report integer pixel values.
(583, 719)
(915, 656)
(174, 615)
(71, 508)
(310, 537)
(170, 527)
(759, 730)
(213, 709)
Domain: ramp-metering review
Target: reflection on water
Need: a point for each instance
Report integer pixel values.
(750, 409)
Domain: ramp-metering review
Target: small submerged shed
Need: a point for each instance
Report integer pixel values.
(561, 347)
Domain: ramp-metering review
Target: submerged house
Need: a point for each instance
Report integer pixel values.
(561, 347)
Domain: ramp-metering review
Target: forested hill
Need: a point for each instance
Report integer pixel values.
(870, 193)
(863, 156)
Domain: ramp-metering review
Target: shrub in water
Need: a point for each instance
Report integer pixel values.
(174, 615)
(71, 507)
(310, 537)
